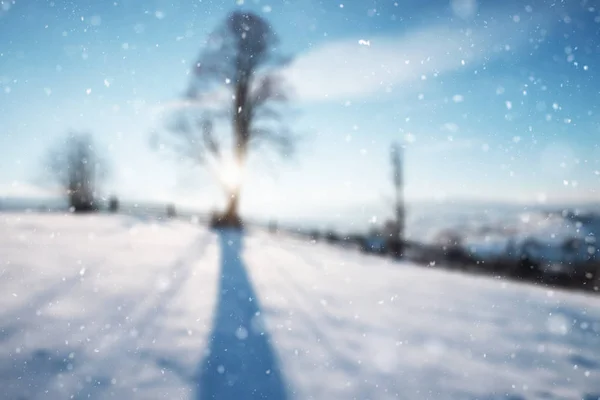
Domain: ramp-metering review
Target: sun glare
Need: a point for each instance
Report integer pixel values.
(231, 174)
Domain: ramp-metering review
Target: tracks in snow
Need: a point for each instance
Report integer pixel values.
(140, 326)
(321, 350)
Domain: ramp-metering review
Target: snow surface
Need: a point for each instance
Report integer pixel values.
(127, 307)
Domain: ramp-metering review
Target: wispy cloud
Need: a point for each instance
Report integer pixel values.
(348, 69)
(361, 67)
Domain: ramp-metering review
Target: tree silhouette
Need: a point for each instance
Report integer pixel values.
(236, 78)
(75, 165)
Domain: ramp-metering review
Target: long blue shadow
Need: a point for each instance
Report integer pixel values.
(241, 363)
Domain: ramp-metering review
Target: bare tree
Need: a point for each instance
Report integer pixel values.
(74, 164)
(397, 162)
(237, 78)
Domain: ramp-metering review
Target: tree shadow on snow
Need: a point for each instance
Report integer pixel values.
(240, 362)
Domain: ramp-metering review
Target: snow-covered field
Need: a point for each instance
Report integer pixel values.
(122, 307)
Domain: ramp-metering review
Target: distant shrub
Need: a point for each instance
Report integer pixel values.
(332, 237)
(273, 227)
(113, 204)
(171, 212)
(395, 247)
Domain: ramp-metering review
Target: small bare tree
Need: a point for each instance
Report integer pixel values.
(237, 78)
(74, 164)
(398, 174)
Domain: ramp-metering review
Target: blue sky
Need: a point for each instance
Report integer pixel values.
(493, 100)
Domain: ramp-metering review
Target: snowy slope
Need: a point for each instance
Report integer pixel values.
(121, 307)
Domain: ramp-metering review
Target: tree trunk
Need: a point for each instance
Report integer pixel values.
(241, 125)
(231, 212)
(231, 216)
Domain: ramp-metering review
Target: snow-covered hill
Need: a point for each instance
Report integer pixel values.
(122, 307)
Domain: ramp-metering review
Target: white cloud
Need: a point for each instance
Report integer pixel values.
(356, 68)
(342, 70)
